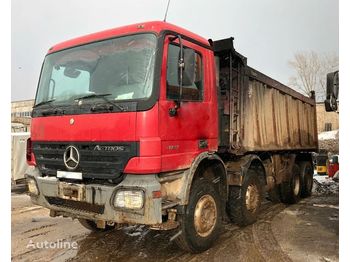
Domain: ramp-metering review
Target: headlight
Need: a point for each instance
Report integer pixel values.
(32, 186)
(131, 199)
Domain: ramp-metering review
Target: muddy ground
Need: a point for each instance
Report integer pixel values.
(307, 231)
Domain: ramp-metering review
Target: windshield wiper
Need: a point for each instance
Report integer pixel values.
(44, 103)
(53, 111)
(91, 96)
(102, 96)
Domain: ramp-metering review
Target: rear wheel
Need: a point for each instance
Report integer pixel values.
(244, 201)
(201, 222)
(91, 225)
(306, 172)
(291, 189)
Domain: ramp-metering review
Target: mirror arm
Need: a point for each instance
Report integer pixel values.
(181, 66)
(173, 110)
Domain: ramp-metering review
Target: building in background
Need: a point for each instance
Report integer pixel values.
(21, 115)
(326, 121)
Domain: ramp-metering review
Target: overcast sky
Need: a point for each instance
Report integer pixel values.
(268, 32)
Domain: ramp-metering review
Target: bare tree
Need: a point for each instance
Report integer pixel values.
(311, 69)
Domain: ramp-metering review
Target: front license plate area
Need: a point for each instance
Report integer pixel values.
(71, 191)
(70, 175)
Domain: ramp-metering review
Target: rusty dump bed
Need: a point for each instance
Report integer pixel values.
(256, 112)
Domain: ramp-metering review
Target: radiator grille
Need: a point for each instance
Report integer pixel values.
(97, 160)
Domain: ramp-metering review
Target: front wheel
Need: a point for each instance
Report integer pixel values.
(200, 224)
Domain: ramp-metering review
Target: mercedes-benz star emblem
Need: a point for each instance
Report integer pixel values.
(71, 121)
(71, 157)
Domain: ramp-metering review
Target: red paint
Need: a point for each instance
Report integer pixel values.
(87, 127)
(144, 165)
(157, 194)
(155, 26)
(166, 143)
(195, 120)
(332, 169)
(29, 153)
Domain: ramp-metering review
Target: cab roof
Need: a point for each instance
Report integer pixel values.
(154, 26)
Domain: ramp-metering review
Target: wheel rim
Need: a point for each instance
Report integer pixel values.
(296, 187)
(205, 215)
(252, 198)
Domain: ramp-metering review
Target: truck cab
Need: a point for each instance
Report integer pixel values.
(119, 91)
(113, 110)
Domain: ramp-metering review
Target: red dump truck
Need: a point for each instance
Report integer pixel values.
(152, 124)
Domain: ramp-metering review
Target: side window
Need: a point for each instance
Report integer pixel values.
(192, 92)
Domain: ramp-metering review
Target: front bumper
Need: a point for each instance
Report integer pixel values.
(95, 201)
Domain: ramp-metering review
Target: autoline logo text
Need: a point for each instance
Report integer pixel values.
(58, 244)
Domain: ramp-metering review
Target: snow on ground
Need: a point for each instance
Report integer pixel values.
(136, 230)
(322, 179)
(324, 185)
(329, 135)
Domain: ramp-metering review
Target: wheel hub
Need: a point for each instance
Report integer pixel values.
(252, 197)
(205, 215)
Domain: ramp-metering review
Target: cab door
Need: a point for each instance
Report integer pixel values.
(193, 127)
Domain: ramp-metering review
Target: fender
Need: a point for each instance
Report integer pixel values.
(237, 169)
(189, 175)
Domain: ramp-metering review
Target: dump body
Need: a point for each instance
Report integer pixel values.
(274, 119)
(259, 113)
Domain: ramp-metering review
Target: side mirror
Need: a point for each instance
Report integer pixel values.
(186, 72)
(71, 72)
(332, 91)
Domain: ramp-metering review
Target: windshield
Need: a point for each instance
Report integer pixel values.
(120, 68)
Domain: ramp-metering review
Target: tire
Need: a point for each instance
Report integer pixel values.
(91, 225)
(291, 190)
(242, 209)
(195, 236)
(307, 180)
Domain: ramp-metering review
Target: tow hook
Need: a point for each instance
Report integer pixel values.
(169, 224)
